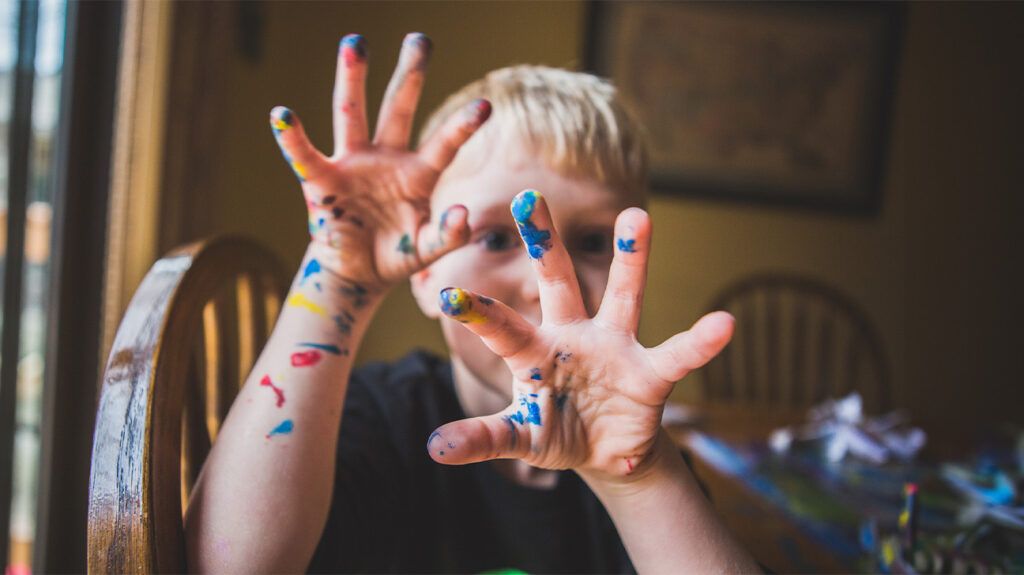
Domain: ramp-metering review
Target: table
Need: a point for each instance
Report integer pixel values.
(789, 514)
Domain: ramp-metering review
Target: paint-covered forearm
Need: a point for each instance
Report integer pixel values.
(665, 521)
(262, 499)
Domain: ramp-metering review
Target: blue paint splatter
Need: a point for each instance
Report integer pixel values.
(537, 241)
(356, 44)
(405, 245)
(532, 410)
(432, 437)
(354, 292)
(513, 437)
(313, 267)
(283, 428)
(535, 373)
(443, 224)
(626, 245)
(560, 401)
(344, 322)
(324, 347)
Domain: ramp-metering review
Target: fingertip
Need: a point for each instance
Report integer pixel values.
(460, 305)
(421, 47)
(281, 119)
(454, 224)
(353, 48)
(717, 327)
(524, 204)
(480, 109)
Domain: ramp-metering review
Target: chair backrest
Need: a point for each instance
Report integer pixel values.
(188, 339)
(797, 342)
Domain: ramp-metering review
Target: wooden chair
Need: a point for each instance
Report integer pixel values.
(187, 341)
(797, 342)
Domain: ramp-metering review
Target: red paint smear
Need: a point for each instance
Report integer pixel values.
(305, 358)
(277, 390)
(629, 464)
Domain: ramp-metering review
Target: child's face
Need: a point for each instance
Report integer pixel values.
(495, 264)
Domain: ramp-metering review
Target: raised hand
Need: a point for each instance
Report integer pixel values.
(369, 202)
(586, 394)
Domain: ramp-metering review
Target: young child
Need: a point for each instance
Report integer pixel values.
(545, 374)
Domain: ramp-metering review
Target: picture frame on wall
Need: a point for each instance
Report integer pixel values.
(776, 103)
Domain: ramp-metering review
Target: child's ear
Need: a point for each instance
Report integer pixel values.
(426, 293)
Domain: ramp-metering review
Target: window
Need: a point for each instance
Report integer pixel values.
(54, 165)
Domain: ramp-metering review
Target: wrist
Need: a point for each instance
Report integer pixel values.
(349, 279)
(663, 464)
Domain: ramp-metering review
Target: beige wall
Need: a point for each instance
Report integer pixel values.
(922, 269)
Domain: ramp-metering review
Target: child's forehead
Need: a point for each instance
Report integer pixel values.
(493, 170)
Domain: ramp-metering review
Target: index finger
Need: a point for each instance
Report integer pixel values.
(560, 298)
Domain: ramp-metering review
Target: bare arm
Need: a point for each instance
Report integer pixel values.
(666, 522)
(262, 499)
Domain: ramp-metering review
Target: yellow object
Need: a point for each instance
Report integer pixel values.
(458, 304)
(300, 300)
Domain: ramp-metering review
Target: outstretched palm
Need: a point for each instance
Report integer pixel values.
(586, 394)
(369, 203)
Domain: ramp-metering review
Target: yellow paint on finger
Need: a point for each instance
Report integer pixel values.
(300, 300)
(459, 305)
(280, 125)
(299, 169)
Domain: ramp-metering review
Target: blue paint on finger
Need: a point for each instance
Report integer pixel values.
(537, 240)
(535, 374)
(625, 245)
(513, 436)
(405, 245)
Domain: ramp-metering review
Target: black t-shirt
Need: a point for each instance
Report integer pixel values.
(395, 510)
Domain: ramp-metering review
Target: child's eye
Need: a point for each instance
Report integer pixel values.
(497, 240)
(594, 243)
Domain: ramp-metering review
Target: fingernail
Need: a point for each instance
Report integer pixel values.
(353, 49)
(443, 223)
(523, 205)
(424, 47)
(537, 240)
(457, 304)
(281, 119)
(479, 110)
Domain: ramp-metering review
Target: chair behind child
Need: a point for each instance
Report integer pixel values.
(188, 339)
(798, 341)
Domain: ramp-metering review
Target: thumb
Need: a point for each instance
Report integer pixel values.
(685, 352)
(499, 436)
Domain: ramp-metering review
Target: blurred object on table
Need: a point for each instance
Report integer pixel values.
(797, 342)
(799, 511)
(839, 427)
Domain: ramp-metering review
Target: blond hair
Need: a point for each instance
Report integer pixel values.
(574, 121)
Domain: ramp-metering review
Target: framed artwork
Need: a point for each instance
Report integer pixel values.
(768, 102)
